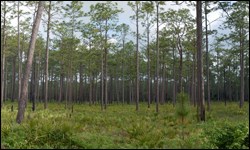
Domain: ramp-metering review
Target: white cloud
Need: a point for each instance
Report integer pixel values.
(112, 40)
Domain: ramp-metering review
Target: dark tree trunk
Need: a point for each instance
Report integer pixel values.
(32, 87)
(207, 63)
(80, 98)
(105, 65)
(90, 89)
(148, 67)
(19, 55)
(13, 80)
(157, 63)
(61, 87)
(241, 69)
(174, 77)
(3, 52)
(137, 58)
(163, 85)
(200, 62)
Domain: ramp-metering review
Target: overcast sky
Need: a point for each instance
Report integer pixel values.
(125, 16)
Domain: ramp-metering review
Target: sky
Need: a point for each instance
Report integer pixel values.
(125, 17)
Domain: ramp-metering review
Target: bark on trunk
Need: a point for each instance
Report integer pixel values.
(3, 53)
(200, 63)
(21, 103)
(47, 60)
(137, 58)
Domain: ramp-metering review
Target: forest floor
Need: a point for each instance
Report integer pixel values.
(120, 126)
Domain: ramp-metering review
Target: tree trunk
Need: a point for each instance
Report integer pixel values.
(199, 62)
(224, 85)
(32, 86)
(13, 80)
(61, 86)
(174, 77)
(148, 65)
(230, 85)
(137, 58)
(117, 87)
(38, 77)
(163, 84)
(47, 60)
(70, 84)
(180, 66)
(157, 63)
(90, 89)
(105, 66)
(21, 103)
(5, 83)
(19, 55)
(194, 81)
(207, 54)
(241, 69)
(80, 98)
(3, 52)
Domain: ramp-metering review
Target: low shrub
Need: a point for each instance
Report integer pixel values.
(229, 136)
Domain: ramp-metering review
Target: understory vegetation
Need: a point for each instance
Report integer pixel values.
(120, 126)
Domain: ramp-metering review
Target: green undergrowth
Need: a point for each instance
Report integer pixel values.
(120, 126)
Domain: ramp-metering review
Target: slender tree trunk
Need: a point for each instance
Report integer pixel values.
(163, 84)
(224, 85)
(96, 90)
(19, 55)
(218, 80)
(174, 76)
(194, 81)
(199, 62)
(137, 58)
(21, 103)
(32, 86)
(61, 86)
(67, 90)
(180, 66)
(207, 54)
(105, 66)
(47, 60)
(230, 85)
(81, 84)
(241, 69)
(157, 63)
(111, 95)
(85, 91)
(123, 82)
(117, 88)
(3, 52)
(13, 80)
(42, 84)
(148, 65)
(102, 75)
(38, 77)
(13, 94)
(70, 85)
(5, 82)
(90, 89)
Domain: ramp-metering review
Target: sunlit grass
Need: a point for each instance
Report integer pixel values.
(120, 126)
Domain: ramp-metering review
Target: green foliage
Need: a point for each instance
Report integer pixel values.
(182, 109)
(121, 127)
(229, 136)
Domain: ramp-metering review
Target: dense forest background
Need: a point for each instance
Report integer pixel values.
(83, 64)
